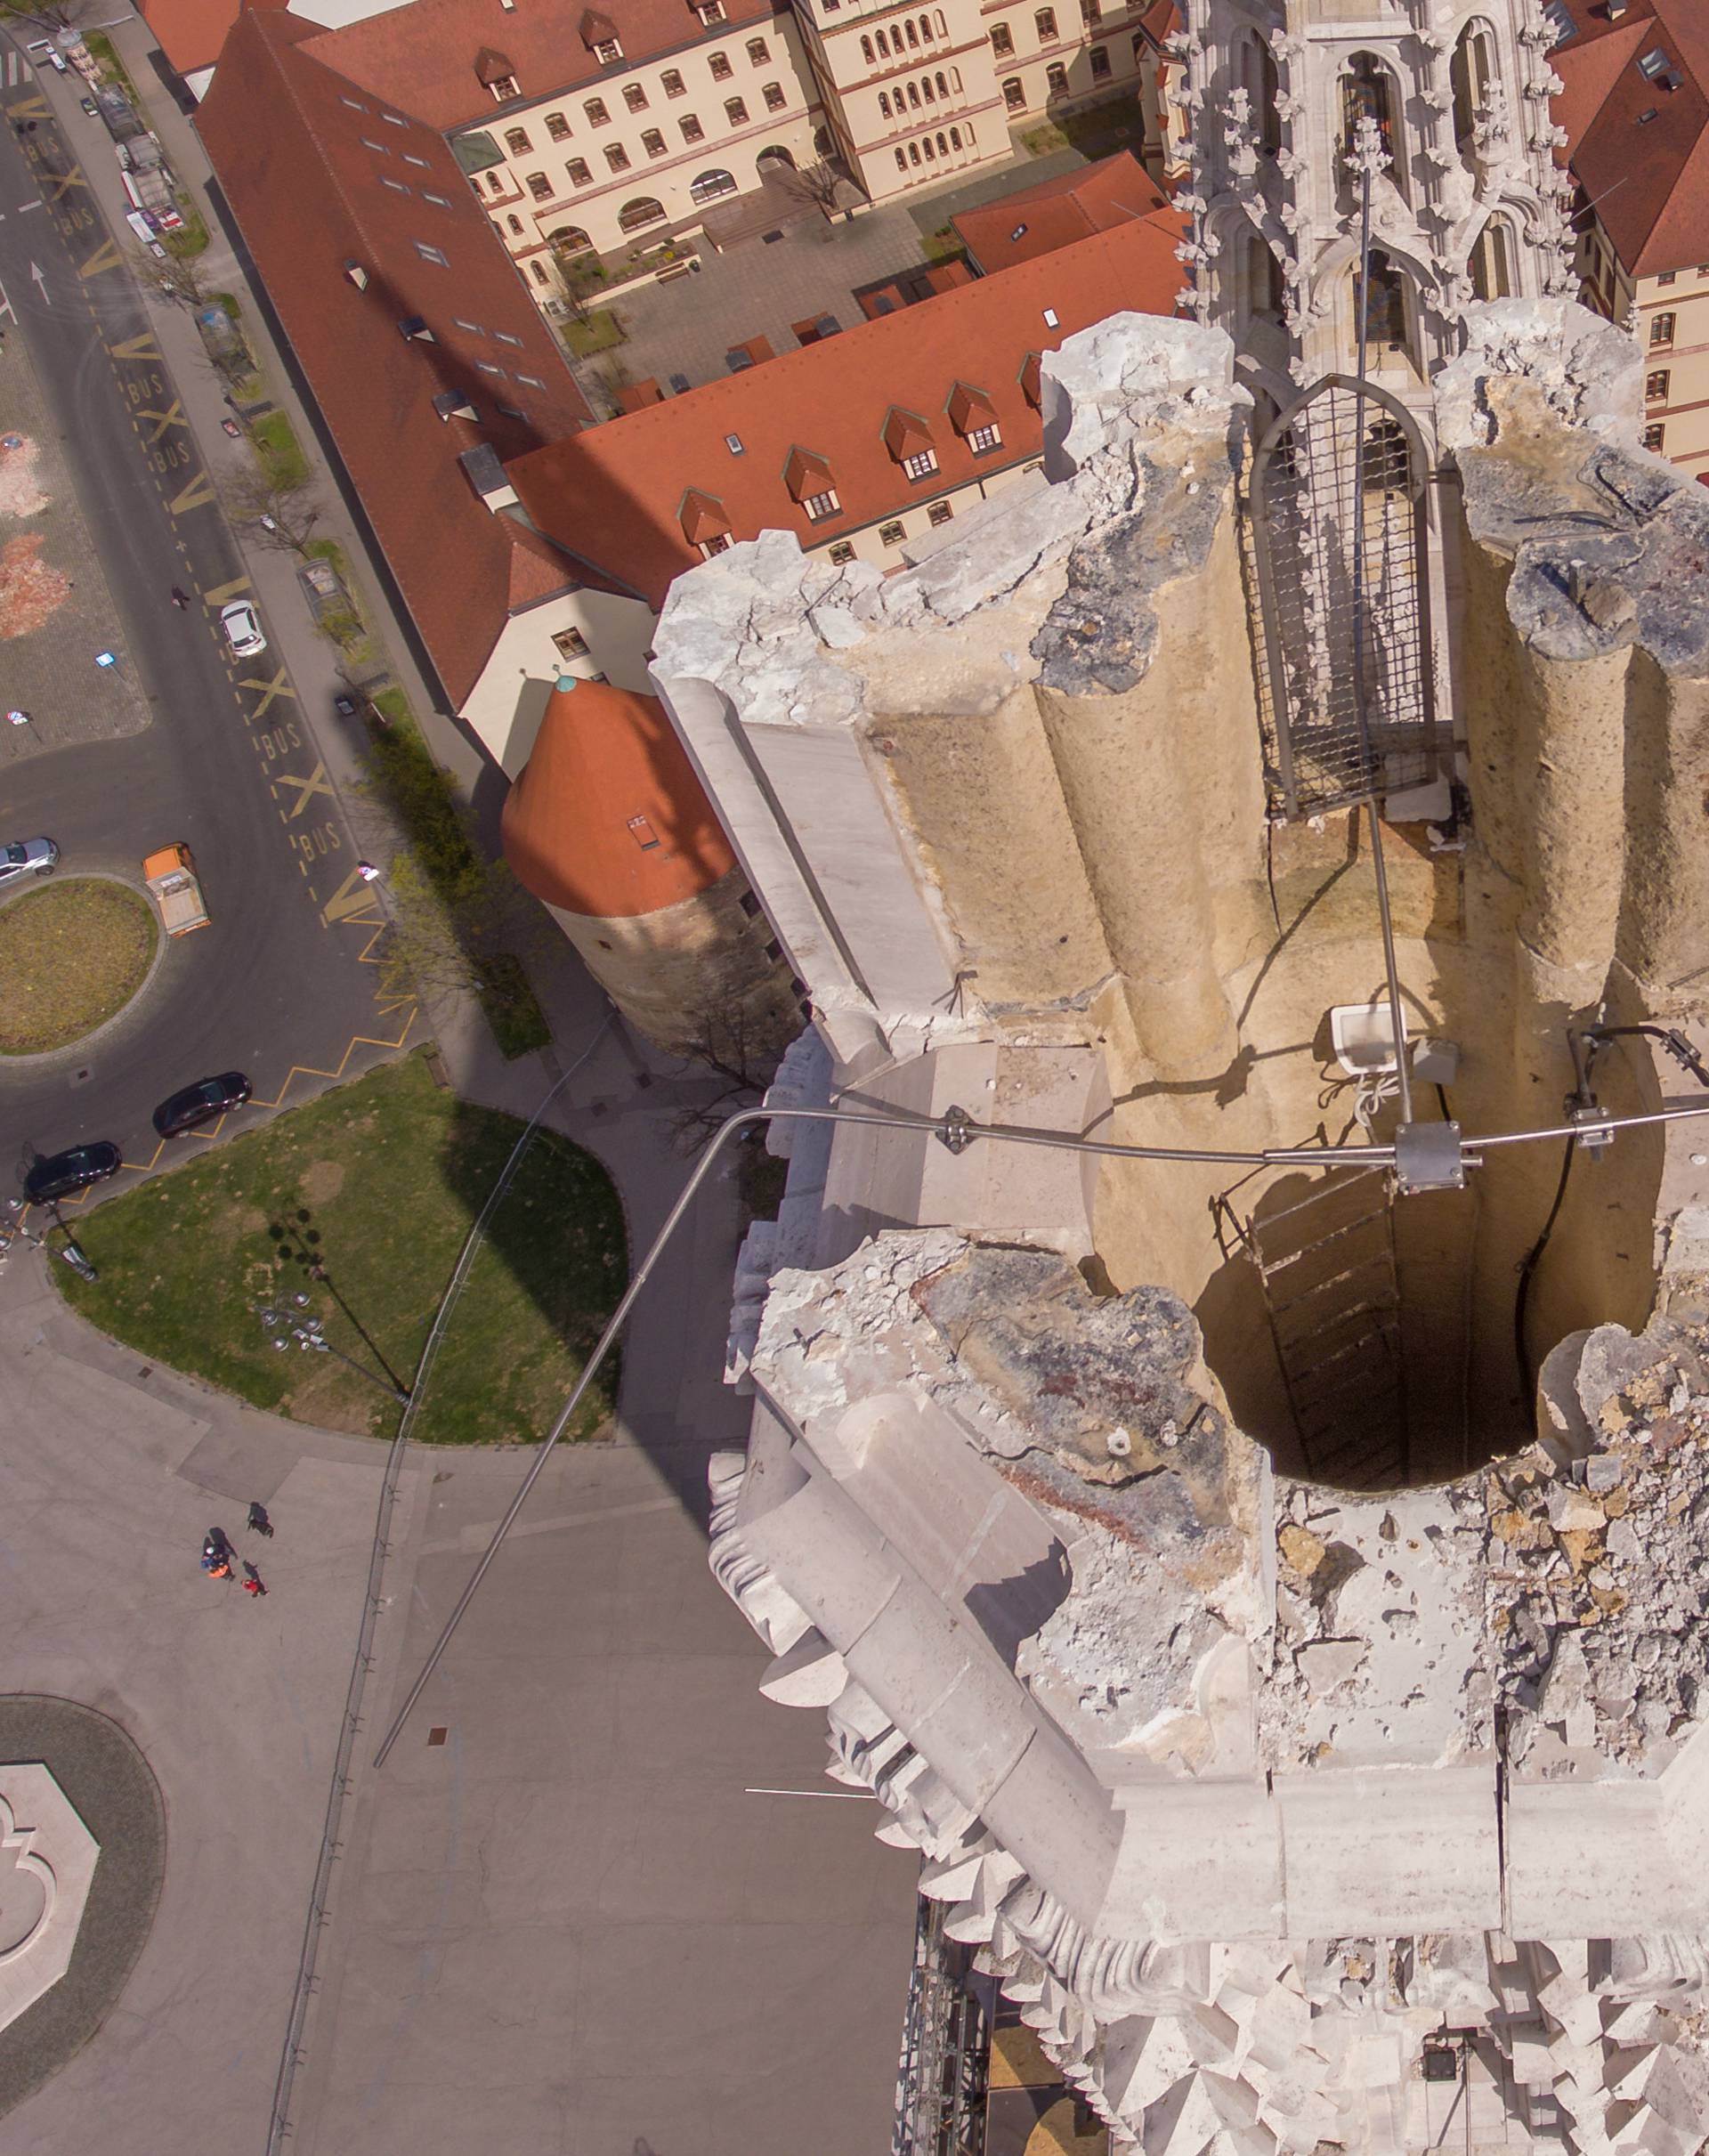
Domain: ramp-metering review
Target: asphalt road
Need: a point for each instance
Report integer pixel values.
(285, 982)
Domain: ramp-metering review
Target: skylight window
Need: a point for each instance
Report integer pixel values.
(1052, 320)
(1558, 16)
(436, 254)
(734, 443)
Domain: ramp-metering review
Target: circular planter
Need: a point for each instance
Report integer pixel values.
(75, 950)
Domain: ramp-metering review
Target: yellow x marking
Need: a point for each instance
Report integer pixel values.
(172, 417)
(306, 789)
(66, 181)
(276, 686)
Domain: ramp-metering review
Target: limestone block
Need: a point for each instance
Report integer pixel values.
(812, 1673)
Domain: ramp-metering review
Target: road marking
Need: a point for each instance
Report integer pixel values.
(34, 108)
(65, 181)
(197, 495)
(6, 306)
(142, 347)
(276, 686)
(174, 417)
(222, 593)
(316, 783)
(36, 203)
(353, 900)
(39, 281)
(106, 256)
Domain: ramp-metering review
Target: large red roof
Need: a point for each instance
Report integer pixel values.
(1641, 149)
(628, 494)
(190, 32)
(424, 57)
(318, 182)
(607, 817)
(1039, 220)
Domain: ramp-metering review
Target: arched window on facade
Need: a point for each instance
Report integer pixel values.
(1368, 92)
(1469, 73)
(1014, 96)
(1260, 275)
(913, 36)
(943, 84)
(570, 240)
(1056, 79)
(1492, 262)
(866, 50)
(926, 87)
(1388, 325)
(955, 138)
(883, 45)
(709, 185)
(884, 104)
(913, 95)
(926, 28)
(1253, 71)
(643, 211)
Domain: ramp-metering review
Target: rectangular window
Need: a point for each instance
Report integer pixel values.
(819, 507)
(533, 380)
(635, 97)
(581, 175)
(503, 90)
(1661, 329)
(504, 337)
(1666, 277)
(718, 544)
(1656, 387)
(570, 644)
(617, 157)
(889, 535)
(672, 84)
(654, 143)
(735, 111)
(759, 53)
(598, 115)
(984, 438)
(921, 466)
(719, 64)
(843, 551)
(397, 186)
(607, 51)
(1089, 12)
(409, 158)
(775, 98)
(711, 11)
(517, 142)
(437, 201)
(1045, 23)
(436, 254)
(692, 131)
(370, 143)
(539, 187)
(1002, 40)
(1654, 437)
(1100, 63)
(940, 513)
(557, 127)
(733, 442)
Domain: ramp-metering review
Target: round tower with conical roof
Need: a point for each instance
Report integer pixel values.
(608, 826)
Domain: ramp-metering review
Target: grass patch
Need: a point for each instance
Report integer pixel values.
(395, 705)
(512, 1009)
(598, 333)
(191, 240)
(71, 956)
(111, 67)
(228, 303)
(1043, 140)
(943, 246)
(279, 451)
(376, 1183)
(328, 550)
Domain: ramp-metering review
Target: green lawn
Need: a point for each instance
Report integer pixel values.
(599, 333)
(376, 1183)
(278, 449)
(1096, 130)
(72, 954)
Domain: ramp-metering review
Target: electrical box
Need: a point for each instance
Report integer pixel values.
(1428, 1157)
(1436, 1062)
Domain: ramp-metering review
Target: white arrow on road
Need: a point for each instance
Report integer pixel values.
(41, 282)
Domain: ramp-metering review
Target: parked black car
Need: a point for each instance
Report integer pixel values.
(200, 1103)
(57, 1175)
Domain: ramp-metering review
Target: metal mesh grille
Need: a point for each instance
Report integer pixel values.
(1338, 543)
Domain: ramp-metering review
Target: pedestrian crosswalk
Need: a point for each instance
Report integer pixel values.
(17, 70)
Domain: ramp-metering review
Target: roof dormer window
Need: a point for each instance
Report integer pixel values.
(599, 35)
(494, 69)
(909, 440)
(807, 476)
(710, 13)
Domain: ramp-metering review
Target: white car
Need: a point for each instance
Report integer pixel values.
(242, 626)
(27, 857)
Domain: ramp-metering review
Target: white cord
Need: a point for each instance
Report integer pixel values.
(1374, 1087)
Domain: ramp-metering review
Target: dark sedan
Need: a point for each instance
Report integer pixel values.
(200, 1104)
(58, 1175)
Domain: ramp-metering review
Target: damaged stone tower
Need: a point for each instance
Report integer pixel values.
(1256, 1544)
(1307, 1769)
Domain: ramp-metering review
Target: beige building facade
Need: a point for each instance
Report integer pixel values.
(901, 96)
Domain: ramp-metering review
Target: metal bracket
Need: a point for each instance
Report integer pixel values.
(1429, 1156)
(1595, 1132)
(957, 1130)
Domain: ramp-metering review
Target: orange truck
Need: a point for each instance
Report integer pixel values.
(171, 877)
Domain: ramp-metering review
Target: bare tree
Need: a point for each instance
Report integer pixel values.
(284, 512)
(739, 1054)
(48, 15)
(180, 277)
(819, 183)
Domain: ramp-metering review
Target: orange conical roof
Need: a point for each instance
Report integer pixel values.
(607, 816)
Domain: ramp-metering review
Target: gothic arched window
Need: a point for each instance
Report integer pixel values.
(1470, 72)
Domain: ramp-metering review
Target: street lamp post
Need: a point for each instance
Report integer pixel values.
(307, 1333)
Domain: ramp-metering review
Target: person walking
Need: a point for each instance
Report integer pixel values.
(180, 599)
(258, 1520)
(253, 1583)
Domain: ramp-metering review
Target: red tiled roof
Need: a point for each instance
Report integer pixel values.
(1648, 178)
(308, 199)
(190, 32)
(619, 493)
(423, 57)
(607, 817)
(1095, 198)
